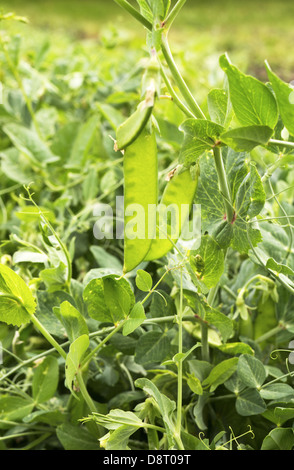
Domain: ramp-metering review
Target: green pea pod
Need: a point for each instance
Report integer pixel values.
(130, 129)
(177, 199)
(140, 192)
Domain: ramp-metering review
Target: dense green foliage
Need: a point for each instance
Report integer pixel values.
(127, 344)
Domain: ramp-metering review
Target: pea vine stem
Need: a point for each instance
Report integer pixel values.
(185, 91)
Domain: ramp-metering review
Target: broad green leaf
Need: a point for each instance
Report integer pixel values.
(136, 318)
(219, 106)
(45, 380)
(53, 418)
(279, 268)
(17, 302)
(279, 439)
(143, 280)
(220, 373)
(76, 351)
(13, 408)
(251, 371)
(109, 298)
(74, 323)
(153, 347)
(54, 278)
(16, 166)
(119, 438)
(252, 101)
(76, 438)
(199, 135)
(116, 417)
(285, 98)
(82, 143)
(220, 321)
(249, 403)
(236, 348)
(28, 142)
(277, 391)
(279, 415)
(47, 304)
(208, 262)
(208, 195)
(194, 384)
(105, 259)
(250, 199)
(246, 138)
(165, 406)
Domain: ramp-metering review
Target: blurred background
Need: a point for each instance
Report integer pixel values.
(251, 31)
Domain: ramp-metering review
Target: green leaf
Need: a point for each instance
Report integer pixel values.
(251, 371)
(250, 199)
(82, 143)
(279, 268)
(279, 415)
(212, 262)
(28, 142)
(165, 406)
(252, 101)
(250, 403)
(220, 373)
(74, 323)
(246, 138)
(236, 348)
(220, 321)
(54, 278)
(119, 438)
(278, 392)
(199, 135)
(285, 98)
(45, 380)
(17, 302)
(194, 384)
(76, 438)
(143, 280)
(153, 347)
(76, 351)
(14, 408)
(279, 439)
(219, 107)
(136, 318)
(109, 298)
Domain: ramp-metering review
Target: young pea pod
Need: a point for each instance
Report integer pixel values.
(173, 212)
(140, 193)
(130, 129)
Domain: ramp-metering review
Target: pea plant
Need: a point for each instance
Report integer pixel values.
(180, 338)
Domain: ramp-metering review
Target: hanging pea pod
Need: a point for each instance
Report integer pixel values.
(130, 129)
(140, 193)
(173, 211)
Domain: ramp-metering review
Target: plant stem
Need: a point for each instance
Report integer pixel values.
(190, 100)
(173, 14)
(223, 183)
(47, 335)
(180, 363)
(85, 392)
(104, 341)
(283, 143)
(270, 333)
(135, 13)
(175, 97)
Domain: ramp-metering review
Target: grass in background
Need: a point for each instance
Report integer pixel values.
(250, 31)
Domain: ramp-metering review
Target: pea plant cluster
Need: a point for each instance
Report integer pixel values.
(154, 341)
